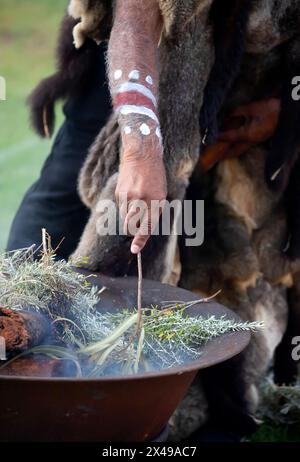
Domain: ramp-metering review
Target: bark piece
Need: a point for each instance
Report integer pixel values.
(22, 330)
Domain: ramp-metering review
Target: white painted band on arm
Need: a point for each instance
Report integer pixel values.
(130, 87)
(141, 110)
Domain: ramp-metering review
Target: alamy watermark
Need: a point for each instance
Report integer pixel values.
(296, 89)
(296, 349)
(2, 89)
(163, 218)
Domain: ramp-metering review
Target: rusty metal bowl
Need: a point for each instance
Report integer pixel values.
(133, 408)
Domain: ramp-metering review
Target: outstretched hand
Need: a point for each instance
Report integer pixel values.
(141, 182)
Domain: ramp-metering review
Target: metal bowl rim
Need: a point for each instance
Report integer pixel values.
(178, 370)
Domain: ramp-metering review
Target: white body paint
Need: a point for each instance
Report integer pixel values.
(128, 109)
(145, 130)
(134, 75)
(141, 110)
(118, 74)
(149, 80)
(158, 133)
(130, 87)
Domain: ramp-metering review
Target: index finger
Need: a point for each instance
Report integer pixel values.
(139, 243)
(141, 238)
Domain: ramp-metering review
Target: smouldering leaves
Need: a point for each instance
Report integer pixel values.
(108, 341)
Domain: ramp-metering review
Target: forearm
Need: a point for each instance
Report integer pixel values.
(133, 75)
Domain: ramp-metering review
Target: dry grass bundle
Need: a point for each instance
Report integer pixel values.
(127, 342)
(52, 288)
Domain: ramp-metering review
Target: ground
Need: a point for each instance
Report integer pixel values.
(27, 36)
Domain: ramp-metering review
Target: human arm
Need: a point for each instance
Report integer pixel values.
(133, 78)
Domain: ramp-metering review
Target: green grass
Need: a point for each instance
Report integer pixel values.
(270, 433)
(27, 36)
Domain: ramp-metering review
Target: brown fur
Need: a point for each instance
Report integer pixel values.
(73, 75)
(246, 224)
(94, 16)
(242, 256)
(101, 163)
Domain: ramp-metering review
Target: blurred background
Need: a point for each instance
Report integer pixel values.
(28, 33)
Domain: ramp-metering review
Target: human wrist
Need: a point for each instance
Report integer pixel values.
(141, 151)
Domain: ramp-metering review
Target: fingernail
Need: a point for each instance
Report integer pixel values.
(135, 249)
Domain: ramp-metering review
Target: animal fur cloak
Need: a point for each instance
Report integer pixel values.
(214, 56)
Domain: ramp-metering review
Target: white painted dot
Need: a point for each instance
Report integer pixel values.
(134, 75)
(145, 130)
(127, 130)
(118, 74)
(149, 80)
(158, 133)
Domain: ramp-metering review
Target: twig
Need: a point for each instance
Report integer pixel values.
(211, 297)
(139, 351)
(173, 305)
(44, 241)
(139, 294)
(58, 245)
(47, 251)
(32, 251)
